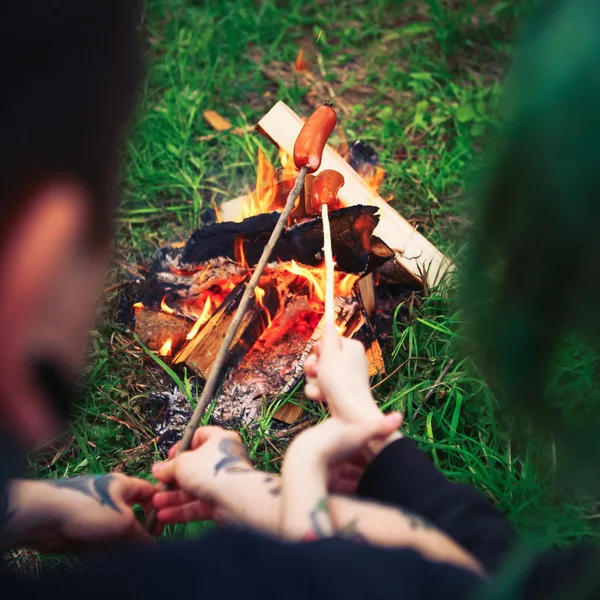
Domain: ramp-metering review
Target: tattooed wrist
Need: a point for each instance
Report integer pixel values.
(350, 532)
(274, 485)
(235, 459)
(96, 487)
(320, 522)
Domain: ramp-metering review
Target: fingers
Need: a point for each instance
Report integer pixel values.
(344, 478)
(311, 365)
(201, 436)
(136, 491)
(331, 341)
(172, 498)
(185, 513)
(312, 390)
(381, 428)
(165, 471)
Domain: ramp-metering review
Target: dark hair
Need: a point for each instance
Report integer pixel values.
(70, 70)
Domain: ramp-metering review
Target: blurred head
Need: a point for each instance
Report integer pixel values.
(70, 71)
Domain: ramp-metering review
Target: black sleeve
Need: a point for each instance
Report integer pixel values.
(236, 564)
(401, 475)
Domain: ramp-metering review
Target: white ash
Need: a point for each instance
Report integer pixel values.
(174, 418)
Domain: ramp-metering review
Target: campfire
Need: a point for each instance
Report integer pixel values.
(184, 308)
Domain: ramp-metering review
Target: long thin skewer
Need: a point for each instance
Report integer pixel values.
(329, 268)
(213, 377)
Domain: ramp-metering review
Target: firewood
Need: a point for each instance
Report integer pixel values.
(366, 287)
(361, 329)
(265, 369)
(351, 230)
(344, 311)
(200, 353)
(352, 321)
(414, 252)
(155, 327)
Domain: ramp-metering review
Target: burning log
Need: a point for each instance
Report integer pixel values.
(200, 353)
(351, 230)
(414, 252)
(351, 321)
(156, 328)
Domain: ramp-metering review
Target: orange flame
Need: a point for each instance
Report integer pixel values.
(374, 180)
(301, 64)
(287, 163)
(261, 200)
(316, 279)
(272, 185)
(206, 313)
(165, 349)
(139, 305)
(165, 307)
(260, 294)
(238, 252)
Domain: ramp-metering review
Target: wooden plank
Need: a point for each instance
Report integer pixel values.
(414, 252)
(231, 210)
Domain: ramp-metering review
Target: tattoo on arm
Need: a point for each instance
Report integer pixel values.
(96, 487)
(350, 532)
(235, 459)
(320, 520)
(415, 521)
(276, 489)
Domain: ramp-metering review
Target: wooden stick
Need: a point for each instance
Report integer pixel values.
(329, 268)
(213, 378)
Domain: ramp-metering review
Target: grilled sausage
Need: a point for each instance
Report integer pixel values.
(325, 188)
(311, 141)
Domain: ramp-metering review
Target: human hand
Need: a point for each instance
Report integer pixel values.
(76, 515)
(198, 477)
(338, 373)
(335, 440)
(305, 511)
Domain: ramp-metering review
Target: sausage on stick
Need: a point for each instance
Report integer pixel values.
(310, 143)
(325, 188)
(309, 146)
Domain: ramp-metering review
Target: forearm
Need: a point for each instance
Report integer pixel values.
(251, 498)
(388, 526)
(404, 477)
(305, 511)
(31, 515)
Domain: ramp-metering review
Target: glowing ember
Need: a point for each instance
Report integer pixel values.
(139, 305)
(165, 349)
(206, 313)
(165, 307)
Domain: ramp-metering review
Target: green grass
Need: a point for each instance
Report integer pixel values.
(422, 82)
